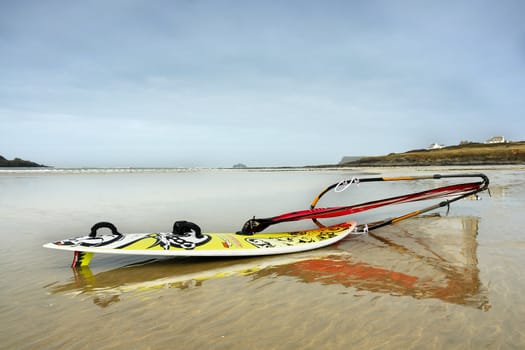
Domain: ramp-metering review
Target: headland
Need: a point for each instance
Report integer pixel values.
(18, 163)
(464, 154)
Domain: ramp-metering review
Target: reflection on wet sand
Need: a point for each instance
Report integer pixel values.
(420, 264)
(430, 257)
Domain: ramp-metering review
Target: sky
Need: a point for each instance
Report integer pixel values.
(116, 83)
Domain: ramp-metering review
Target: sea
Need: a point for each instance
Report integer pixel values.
(449, 279)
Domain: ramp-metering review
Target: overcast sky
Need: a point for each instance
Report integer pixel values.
(265, 83)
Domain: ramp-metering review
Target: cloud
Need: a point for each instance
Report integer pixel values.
(279, 82)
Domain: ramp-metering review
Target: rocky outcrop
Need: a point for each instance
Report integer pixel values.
(18, 163)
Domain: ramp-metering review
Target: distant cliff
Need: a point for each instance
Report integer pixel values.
(17, 162)
(466, 154)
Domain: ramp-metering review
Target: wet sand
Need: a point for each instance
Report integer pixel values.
(438, 282)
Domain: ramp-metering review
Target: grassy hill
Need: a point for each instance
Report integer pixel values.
(467, 154)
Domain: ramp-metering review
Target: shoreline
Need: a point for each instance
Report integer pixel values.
(372, 169)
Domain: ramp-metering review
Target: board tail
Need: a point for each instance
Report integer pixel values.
(81, 259)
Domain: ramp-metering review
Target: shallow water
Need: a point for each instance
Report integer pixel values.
(432, 282)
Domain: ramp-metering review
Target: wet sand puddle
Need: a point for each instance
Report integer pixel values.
(436, 282)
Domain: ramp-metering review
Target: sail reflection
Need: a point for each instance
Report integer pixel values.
(429, 257)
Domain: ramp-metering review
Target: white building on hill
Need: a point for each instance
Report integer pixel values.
(435, 146)
(496, 139)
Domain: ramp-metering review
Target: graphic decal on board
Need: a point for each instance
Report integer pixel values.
(188, 241)
(88, 241)
(289, 241)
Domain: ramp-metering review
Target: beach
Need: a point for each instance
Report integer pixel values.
(443, 281)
